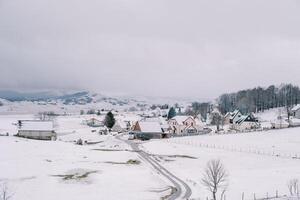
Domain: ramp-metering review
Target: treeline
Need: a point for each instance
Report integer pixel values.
(260, 99)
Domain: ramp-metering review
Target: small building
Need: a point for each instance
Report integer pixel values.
(36, 129)
(149, 129)
(296, 111)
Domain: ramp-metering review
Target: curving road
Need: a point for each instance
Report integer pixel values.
(182, 190)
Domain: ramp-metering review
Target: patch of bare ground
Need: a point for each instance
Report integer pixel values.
(174, 156)
(129, 162)
(76, 175)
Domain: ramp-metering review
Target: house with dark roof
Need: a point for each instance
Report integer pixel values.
(243, 122)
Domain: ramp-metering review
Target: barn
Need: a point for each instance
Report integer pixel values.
(148, 129)
(36, 129)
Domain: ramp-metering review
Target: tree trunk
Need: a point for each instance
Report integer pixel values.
(214, 196)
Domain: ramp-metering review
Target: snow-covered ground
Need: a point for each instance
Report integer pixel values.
(259, 162)
(60, 169)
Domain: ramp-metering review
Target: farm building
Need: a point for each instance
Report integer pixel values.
(149, 129)
(36, 129)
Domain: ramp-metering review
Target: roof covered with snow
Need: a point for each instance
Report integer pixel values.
(180, 119)
(295, 108)
(36, 125)
(151, 127)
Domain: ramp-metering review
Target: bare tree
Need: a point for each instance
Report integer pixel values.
(46, 116)
(215, 178)
(293, 186)
(217, 119)
(4, 192)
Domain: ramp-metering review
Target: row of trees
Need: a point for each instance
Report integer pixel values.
(198, 108)
(260, 99)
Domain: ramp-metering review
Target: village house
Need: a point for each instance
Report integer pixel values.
(296, 111)
(240, 122)
(185, 125)
(36, 129)
(150, 129)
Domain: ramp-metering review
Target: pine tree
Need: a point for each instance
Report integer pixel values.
(172, 113)
(109, 121)
(98, 112)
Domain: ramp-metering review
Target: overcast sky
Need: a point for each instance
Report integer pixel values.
(192, 48)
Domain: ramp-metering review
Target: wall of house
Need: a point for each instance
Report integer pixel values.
(41, 135)
(227, 120)
(244, 126)
(297, 114)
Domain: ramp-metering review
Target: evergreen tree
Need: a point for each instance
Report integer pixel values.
(172, 113)
(98, 112)
(109, 121)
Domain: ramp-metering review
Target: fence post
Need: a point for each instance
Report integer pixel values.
(276, 193)
(254, 197)
(243, 196)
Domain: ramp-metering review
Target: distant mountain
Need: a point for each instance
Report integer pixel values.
(11, 95)
(20, 96)
(82, 98)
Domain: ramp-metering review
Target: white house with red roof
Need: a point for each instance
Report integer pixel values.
(185, 124)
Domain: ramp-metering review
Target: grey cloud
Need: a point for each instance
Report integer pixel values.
(159, 48)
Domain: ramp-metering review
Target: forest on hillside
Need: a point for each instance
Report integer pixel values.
(260, 99)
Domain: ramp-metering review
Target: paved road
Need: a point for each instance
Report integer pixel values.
(182, 190)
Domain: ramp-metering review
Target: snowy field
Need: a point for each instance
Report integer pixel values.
(60, 169)
(259, 163)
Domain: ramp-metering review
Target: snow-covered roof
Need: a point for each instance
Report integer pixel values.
(151, 127)
(36, 125)
(234, 114)
(181, 118)
(242, 119)
(296, 107)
